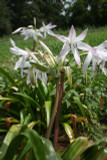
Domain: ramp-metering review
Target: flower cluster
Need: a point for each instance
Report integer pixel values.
(31, 65)
(25, 60)
(33, 32)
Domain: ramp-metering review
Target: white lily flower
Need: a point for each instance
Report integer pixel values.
(28, 32)
(37, 75)
(22, 62)
(16, 50)
(41, 76)
(17, 30)
(71, 43)
(31, 33)
(97, 54)
(47, 29)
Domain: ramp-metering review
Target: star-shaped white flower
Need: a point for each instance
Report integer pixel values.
(47, 29)
(71, 43)
(23, 61)
(16, 50)
(29, 32)
(37, 74)
(97, 54)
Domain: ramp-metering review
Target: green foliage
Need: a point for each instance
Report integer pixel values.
(5, 25)
(24, 104)
(36, 147)
(83, 12)
(80, 13)
(22, 13)
(14, 14)
(98, 11)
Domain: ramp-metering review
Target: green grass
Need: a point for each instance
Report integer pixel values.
(94, 37)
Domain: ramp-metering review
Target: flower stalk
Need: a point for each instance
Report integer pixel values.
(34, 46)
(48, 133)
(56, 131)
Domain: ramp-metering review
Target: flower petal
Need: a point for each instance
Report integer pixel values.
(12, 42)
(103, 45)
(17, 30)
(45, 47)
(87, 61)
(28, 75)
(19, 63)
(76, 56)
(72, 33)
(50, 32)
(32, 55)
(84, 46)
(18, 51)
(82, 35)
(102, 68)
(94, 63)
(50, 26)
(65, 50)
(44, 77)
(101, 54)
(61, 38)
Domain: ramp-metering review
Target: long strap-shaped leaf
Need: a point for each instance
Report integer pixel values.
(43, 148)
(7, 76)
(76, 148)
(24, 151)
(41, 67)
(36, 144)
(28, 97)
(13, 147)
(13, 132)
(49, 150)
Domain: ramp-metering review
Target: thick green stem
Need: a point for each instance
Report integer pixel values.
(56, 131)
(48, 133)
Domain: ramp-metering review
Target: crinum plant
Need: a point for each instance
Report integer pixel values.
(39, 64)
(24, 61)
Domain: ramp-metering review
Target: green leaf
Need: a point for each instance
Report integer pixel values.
(33, 123)
(49, 150)
(68, 131)
(3, 130)
(69, 76)
(6, 75)
(48, 111)
(22, 116)
(103, 155)
(24, 150)
(41, 93)
(36, 144)
(28, 97)
(91, 153)
(76, 148)
(12, 133)
(45, 88)
(11, 99)
(84, 106)
(13, 147)
(80, 105)
(74, 93)
(41, 67)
